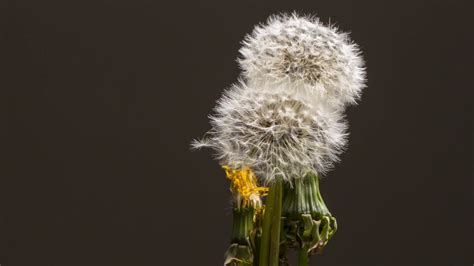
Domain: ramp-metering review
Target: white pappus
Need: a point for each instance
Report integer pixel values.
(300, 53)
(274, 133)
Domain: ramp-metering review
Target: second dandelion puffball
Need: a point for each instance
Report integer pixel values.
(301, 53)
(274, 134)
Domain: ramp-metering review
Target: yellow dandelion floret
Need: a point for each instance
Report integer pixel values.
(244, 183)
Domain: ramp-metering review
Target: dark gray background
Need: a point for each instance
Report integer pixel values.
(100, 100)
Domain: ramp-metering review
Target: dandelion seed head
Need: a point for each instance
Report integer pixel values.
(275, 134)
(301, 53)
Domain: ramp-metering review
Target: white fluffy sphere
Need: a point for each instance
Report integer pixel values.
(275, 134)
(299, 52)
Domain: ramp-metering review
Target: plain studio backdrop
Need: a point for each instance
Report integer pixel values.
(101, 99)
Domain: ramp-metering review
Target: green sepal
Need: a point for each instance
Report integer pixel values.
(316, 233)
(244, 237)
(238, 254)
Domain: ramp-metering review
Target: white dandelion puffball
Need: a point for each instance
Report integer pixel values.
(274, 134)
(303, 54)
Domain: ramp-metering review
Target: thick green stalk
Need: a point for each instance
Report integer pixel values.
(303, 258)
(270, 241)
(274, 256)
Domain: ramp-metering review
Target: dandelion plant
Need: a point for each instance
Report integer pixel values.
(278, 130)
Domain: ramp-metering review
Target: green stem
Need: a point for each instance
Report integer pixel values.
(303, 258)
(270, 241)
(240, 251)
(274, 256)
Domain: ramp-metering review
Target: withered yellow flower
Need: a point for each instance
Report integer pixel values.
(244, 184)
